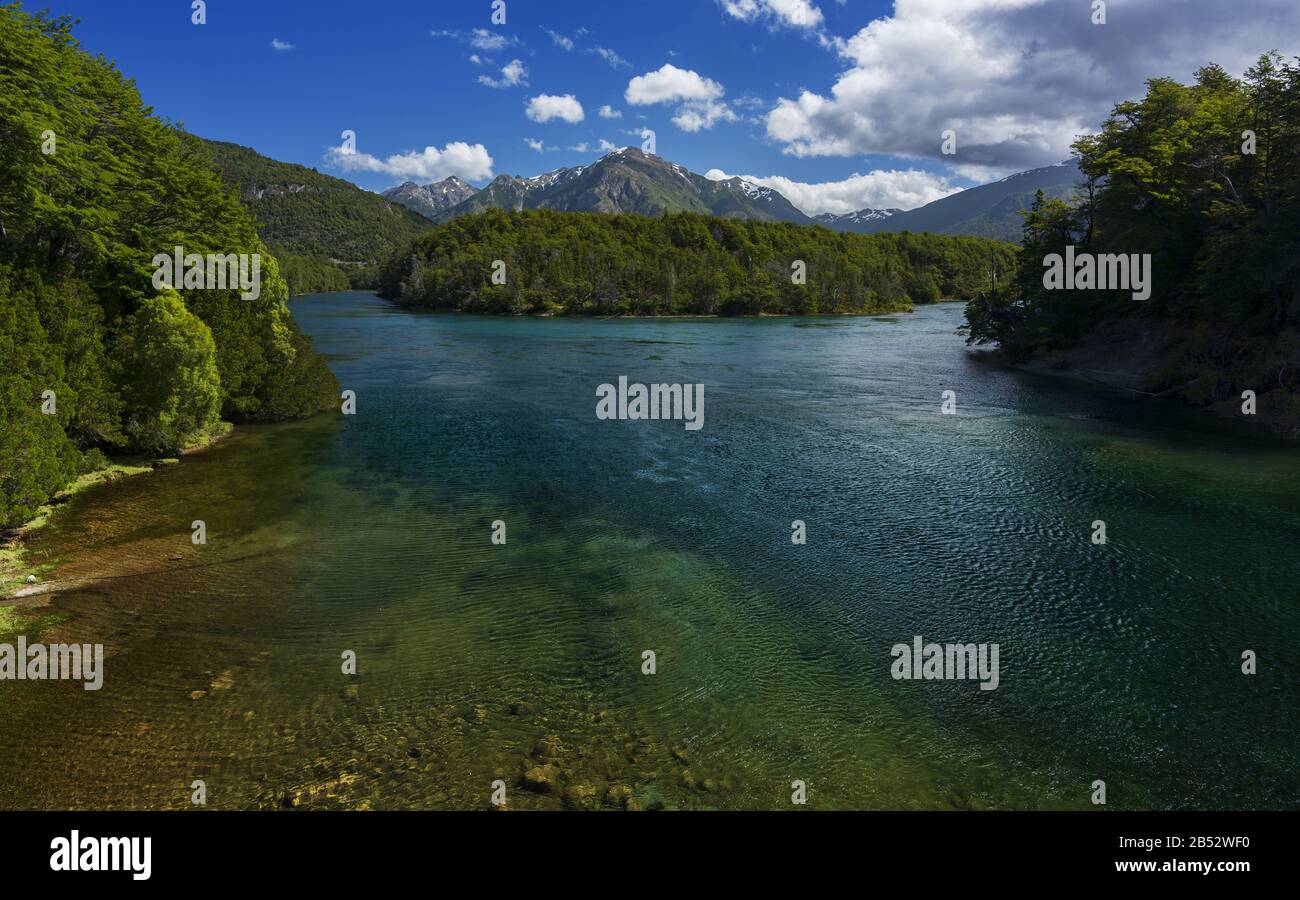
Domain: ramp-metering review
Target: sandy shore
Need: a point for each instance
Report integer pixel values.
(15, 568)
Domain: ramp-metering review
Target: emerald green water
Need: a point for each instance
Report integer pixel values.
(477, 662)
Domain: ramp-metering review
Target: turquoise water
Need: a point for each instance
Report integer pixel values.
(479, 662)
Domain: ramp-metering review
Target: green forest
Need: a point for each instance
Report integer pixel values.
(559, 263)
(95, 359)
(327, 233)
(1206, 178)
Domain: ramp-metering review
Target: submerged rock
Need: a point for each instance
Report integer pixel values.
(326, 790)
(542, 779)
(580, 796)
(620, 795)
(546, 748)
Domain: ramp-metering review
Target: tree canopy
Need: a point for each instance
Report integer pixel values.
(1205, 178)
(92, 187)
(680, 263)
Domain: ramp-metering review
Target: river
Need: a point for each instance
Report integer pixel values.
(478, 661)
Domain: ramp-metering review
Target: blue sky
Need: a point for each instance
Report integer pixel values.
(839, 105)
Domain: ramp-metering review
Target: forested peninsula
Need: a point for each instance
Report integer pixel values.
(1205, 179)
(543, 262)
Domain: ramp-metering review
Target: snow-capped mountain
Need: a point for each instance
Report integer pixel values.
(630, 181)
(429, 200)
(850, 221)
(624, 181)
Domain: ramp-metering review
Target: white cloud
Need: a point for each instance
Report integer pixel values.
(513, 74)
(879, 189)
(491, 40)
(699, 99)
(278, 44)
(1017, 80)
(466, 161)
(558, 39)
(609, 112)
(480, 38)
(535, 144)
(702, 116)
(669, 84)
(603, 146)
(478, 60)
(545, 107)
(792, 13)
(615, 61)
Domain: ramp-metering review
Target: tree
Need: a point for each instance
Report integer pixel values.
(1203, 178)
(36, 458)
(170, 370)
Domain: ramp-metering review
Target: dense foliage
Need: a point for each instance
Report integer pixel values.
(1173, 175)
(92, 356)
(307, 274)
(679, 263)
(327, 233)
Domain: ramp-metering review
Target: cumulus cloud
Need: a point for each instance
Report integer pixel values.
(278, 44)
(670, 83)
(513, 74)
(792, 13)
(466, 161)
(702, 116)
(545, 107)
(699, 99)
(1016, 80)
(879, 189)
(609, 112)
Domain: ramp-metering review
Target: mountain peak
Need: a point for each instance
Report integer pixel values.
(432, 199)
(629, 180)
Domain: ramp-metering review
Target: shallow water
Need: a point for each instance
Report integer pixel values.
(477, 662)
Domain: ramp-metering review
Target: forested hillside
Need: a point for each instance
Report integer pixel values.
(327, 233)
(680, 263)
(94, 357)
(1206, 179)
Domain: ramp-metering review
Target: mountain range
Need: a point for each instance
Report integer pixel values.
(625, 181)
(630, 181)
(327, 232)
(989, 210)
